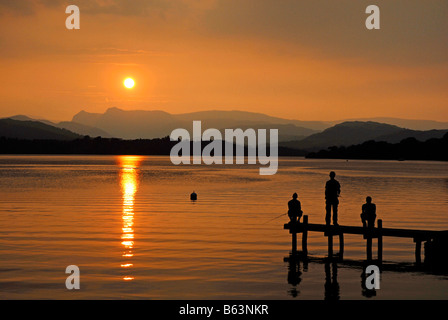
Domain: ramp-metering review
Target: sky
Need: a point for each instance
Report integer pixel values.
(305, 60)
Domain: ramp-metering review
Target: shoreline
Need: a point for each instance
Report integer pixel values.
(167, 155)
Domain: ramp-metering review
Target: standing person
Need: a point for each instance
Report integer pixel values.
(368, 214)
(294, 209)
(332, 192)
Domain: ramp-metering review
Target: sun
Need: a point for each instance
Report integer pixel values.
(129, 83)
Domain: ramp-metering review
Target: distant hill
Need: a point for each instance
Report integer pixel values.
(131, 124)
(229, 119)
(355, 132)
(21, 129)
(83, 129)
(154, 124)
(78, 128)
(405, 123)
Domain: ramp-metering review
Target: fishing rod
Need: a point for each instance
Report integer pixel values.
(275, 218)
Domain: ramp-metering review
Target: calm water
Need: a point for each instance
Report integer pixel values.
(128, 224)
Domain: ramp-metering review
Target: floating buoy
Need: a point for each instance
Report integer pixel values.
(193, 196)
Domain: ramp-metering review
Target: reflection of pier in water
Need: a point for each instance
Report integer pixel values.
(435, 254)
(295, 273)
(129, 183)
(298, 267)
(331, 285)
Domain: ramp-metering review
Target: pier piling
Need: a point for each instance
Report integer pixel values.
(305, 236)
(380, 241)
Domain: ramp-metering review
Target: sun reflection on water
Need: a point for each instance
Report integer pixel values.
(129, 184)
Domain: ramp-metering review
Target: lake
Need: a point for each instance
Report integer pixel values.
(128, 223)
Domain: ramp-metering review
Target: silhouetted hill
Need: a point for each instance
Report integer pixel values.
(407, 149)
(355, 132)
(21, 117)
(233, 118)
(86, 118)
(83, 129)
(10, 128)
(286, 131)
(406, 133)
(346, 133)
(78, 128)
(405, 123)
(130, 124)
(153, 124)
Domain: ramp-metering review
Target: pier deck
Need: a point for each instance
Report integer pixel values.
(378, 232)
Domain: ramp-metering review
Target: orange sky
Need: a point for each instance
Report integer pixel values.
(307, 60)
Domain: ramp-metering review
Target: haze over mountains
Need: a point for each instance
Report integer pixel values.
(155, 124)
(303, 135)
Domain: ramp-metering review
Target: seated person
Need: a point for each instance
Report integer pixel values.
(368, 214)
(294, 209)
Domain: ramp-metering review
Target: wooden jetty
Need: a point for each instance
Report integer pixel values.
(368, 234)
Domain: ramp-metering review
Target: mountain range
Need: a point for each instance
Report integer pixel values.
(294, 134)
(154, 124)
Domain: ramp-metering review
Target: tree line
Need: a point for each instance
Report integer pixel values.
(407, 149)
(106, 146)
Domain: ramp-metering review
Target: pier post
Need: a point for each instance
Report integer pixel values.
(305, 236)
(418, 250)
(341, 245)
(294, 240)
(369, 245)
(380, 241)
(330, 243)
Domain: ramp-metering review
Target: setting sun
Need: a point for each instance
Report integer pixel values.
(129, 83)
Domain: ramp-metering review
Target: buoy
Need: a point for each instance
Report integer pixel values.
(193, 196)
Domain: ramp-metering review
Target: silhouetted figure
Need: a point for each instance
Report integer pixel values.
(331, 281)
(193, 196)
(332, 192)
(294, 209)
(368, 214)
